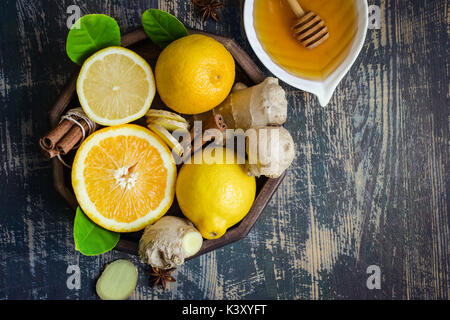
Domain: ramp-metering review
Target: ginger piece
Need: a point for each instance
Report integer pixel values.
(169, 120)
(169, 124)
(164, 122)
(270, 150)
(168, 138)
(168, 242)
(117, 281)
(205, 116)
(261, 105)
(238, 86)
(165, 115)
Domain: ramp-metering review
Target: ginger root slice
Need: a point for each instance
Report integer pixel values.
(168, 138)
(117, 281)
(165, 115)
(169, 124)
(168, 242)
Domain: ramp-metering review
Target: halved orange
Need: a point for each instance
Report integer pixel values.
(124, 177)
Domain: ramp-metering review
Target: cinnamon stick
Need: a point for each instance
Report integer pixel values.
(50, 153)
(199, 138)
(63, 137)
(49, 141)
(72, 137)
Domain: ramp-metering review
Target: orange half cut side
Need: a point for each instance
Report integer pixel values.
(124, 177)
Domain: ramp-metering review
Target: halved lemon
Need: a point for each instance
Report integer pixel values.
(115, 86)
(124, 177)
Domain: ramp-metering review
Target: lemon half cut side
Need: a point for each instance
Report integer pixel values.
(115, 86)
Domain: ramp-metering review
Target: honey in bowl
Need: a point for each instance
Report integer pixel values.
(273, 20)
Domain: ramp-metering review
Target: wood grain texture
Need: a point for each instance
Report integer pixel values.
(368, 186)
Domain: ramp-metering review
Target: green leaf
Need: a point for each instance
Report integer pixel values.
(91, 239)
(162, 27)
(90, 34)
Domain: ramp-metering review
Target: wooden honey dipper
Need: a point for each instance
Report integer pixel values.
(309, 28)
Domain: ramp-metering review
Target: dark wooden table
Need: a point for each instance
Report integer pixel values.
(368, 187)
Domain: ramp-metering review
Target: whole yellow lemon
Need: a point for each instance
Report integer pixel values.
(215, 196)
(194, 74)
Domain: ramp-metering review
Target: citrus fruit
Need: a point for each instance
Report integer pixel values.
(115, 86)
(194, 74)
(215, 196)
(124, 177)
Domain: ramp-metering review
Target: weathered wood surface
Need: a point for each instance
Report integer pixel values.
(368, 186)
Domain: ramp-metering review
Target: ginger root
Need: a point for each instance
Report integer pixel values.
(239, 86)
(257, 106)
(168, 242)
(271, 151)
(117, 281)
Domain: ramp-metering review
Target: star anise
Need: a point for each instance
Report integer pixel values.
(208, 8)
(161, 276)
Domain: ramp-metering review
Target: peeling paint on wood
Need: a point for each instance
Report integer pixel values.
(368, 186)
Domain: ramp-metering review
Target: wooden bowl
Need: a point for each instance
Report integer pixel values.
(246, 72)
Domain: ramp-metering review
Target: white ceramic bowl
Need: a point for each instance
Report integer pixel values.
(322, 89)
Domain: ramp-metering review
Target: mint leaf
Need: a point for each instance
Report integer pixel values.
(91, 239)
(162, 27)
(90, 34)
